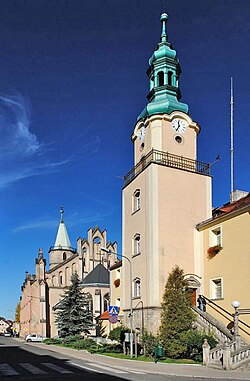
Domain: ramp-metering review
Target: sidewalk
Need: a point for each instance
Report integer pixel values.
(184, 370)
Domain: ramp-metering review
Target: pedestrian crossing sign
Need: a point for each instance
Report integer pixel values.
(113, 310)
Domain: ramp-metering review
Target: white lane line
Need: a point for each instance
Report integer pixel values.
(86, 368)
(108, 369)
(31, 368)
(7, 370)
(57, 368)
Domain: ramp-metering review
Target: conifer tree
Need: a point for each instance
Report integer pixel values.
(17, 313)
(73, 315)
(177, 316)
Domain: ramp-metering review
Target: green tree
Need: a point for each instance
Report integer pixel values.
(73, 315)
(17, 313)
(177, 316)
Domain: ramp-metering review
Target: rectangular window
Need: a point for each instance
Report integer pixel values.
(216, 288)
(215, 236)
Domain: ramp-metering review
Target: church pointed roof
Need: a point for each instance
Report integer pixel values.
(62, 238)
(163, 72)
(98, 276)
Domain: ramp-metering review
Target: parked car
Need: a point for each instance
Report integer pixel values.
(34, 337)
(7, 334)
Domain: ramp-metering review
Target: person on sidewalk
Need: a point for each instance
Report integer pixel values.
(200, 303)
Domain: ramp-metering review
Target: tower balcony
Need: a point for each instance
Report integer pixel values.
(168, 160)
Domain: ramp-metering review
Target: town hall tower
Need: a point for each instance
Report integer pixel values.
(166, 192)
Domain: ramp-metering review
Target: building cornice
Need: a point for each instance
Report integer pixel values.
(219, 219)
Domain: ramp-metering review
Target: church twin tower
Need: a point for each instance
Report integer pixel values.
(165, 194)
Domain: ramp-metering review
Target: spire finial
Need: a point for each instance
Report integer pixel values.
(164, 18)
(61, 211)
(40, 253)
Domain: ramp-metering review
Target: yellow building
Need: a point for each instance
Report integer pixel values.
(225, 273)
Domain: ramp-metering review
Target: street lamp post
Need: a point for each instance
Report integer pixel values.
(131, 295)
(236, 305)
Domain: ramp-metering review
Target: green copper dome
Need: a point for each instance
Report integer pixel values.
(164, 71)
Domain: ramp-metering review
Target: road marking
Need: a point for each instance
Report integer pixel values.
(31, 368)
(7, 370)
(57, 368)
(109, 369)
(86, 368)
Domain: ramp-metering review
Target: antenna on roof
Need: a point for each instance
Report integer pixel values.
(232, 140)
(215, 161)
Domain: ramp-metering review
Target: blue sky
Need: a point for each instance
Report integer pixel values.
(72, 83)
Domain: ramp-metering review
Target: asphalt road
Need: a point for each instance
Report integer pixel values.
(21, 361)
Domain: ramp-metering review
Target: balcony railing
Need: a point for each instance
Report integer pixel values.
(169, 160)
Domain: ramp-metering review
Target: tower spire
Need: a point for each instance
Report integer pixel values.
(62, 238)
(61, 211)
(163, 72)
(164, 35)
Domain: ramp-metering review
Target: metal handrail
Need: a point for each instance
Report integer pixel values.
(169, 160)
(213, 305)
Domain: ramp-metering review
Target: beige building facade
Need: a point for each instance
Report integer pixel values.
(42, 291)
(226, 272)
(167, 191)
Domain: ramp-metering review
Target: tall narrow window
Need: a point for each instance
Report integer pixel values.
(160, 78)
(137, 244)
(137, 288)
(60, 278)
(215, 236)
(216, 291)
(170, 74)
(136, 200)
(67, 276)
(106, 302)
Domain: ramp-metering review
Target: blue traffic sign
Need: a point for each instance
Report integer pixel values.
(113, 310)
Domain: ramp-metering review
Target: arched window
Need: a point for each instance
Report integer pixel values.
(73, 268)
(160, 76)
(64, 256)
(60, 278)
(170, 74)
(97, 240)
(136, 200)
(105, 302)
(67, 276)
(137, 244)
(137, 288)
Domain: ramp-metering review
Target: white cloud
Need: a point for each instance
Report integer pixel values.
(21, 154)
(72, 221)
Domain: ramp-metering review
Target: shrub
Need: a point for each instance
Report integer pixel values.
(52, 341)
(106, 348)
(194, 340)
(149, 343)
(83, 344)
(118, 333)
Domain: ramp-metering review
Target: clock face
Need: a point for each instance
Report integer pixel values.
(179, 125)
(141, 134)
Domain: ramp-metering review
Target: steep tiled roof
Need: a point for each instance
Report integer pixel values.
(232, 206)
(104, 315)
(227, 209)
(99, 275)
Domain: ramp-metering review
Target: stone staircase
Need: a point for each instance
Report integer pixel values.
(231, 352)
